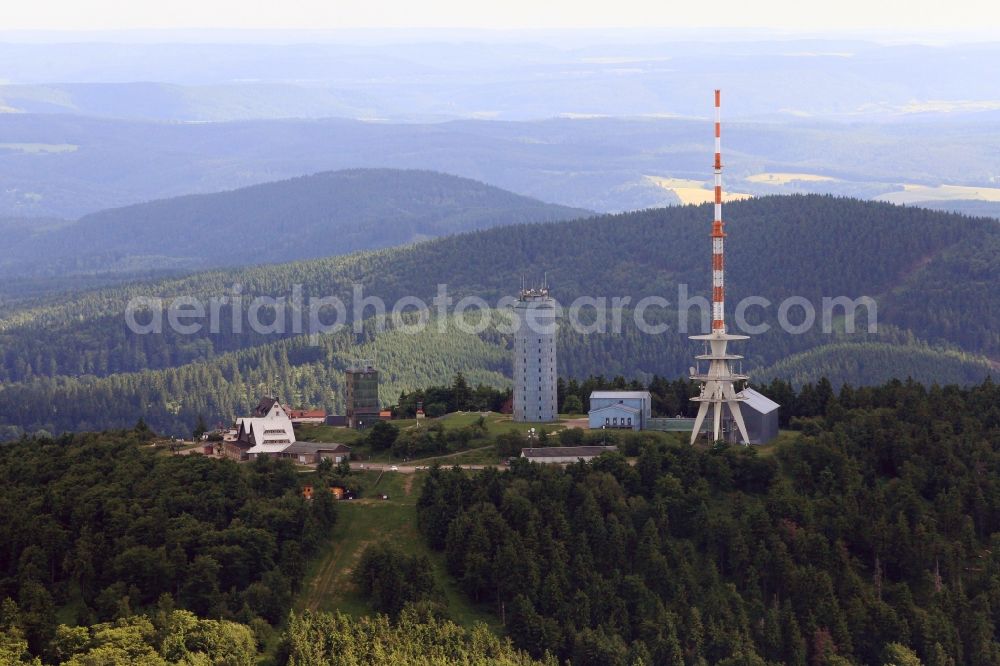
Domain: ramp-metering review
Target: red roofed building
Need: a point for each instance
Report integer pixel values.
(317, 416)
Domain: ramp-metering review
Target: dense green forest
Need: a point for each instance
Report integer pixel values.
(70, 362)
(778, 246)
(873, 533)
(97, 527)
(870, 538)
(313, 216)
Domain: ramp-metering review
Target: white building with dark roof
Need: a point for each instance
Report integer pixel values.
(269, 434)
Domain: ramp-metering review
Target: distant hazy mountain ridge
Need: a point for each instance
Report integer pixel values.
(302, 218)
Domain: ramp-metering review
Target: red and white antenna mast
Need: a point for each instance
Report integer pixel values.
(718, 384)
(718, 234)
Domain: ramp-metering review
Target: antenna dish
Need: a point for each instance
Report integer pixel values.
(692, 371)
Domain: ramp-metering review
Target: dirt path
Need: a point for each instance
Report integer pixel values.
(334, 567)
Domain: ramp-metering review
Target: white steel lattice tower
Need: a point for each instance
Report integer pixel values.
(535, 357)
(717, 384)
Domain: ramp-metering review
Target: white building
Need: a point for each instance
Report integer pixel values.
(269, 434)
(535, 357)
(629, 410)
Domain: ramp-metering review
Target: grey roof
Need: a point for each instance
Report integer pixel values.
(567, 451)
(619, 395)
(680, 424)
(624, 408)
(316, 447)
(758, 401)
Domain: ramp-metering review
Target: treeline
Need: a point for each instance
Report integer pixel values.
(458, 397)
(416, 639)
(309, 373)
(178, 638)
(167, 636)
(870, 539)
(105, 526)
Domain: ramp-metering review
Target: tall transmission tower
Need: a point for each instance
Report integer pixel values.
(717, 384)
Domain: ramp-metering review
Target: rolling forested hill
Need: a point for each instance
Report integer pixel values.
(312, 216)
(72, 361)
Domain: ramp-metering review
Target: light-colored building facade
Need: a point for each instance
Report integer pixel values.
(628, 410)
(535, 398)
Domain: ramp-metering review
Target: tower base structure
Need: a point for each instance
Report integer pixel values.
(718, 389)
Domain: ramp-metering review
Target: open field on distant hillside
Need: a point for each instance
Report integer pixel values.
(328, 584)
(495, 423)
(694, 191)
(40, 148)
(912, 194)
(783, 178)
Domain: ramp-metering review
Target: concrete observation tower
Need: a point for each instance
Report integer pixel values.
(535, 356)
(718, 383)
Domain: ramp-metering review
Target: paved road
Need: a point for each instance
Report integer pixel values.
(406, 469)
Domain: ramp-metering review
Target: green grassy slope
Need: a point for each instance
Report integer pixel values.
(328, 584)
(845, 363)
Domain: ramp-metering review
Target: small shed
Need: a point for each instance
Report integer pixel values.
(760, 414)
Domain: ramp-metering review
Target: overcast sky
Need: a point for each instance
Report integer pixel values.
(979, 16)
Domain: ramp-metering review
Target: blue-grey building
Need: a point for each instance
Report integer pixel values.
(629, 410)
